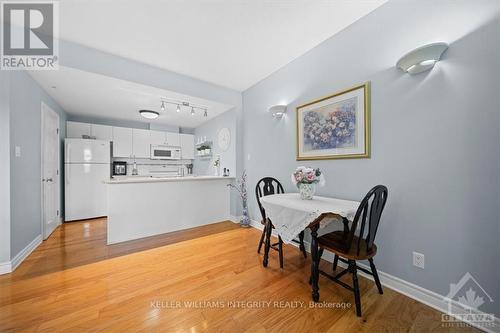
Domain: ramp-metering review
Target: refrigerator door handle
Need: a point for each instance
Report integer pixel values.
(68, 150)
(68, 172)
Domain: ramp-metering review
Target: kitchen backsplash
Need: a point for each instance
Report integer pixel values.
(147, 167)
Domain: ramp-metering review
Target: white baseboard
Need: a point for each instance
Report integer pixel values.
(234, 219)
(10, 266)
(422, 295)
(5, 267)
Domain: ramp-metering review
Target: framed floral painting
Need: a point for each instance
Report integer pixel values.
(336, 126)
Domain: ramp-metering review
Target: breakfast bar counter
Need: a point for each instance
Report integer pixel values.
(140, 207)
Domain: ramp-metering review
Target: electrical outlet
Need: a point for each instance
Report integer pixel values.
(18, 151)
(418, 260)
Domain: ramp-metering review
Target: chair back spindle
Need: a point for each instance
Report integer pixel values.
(368, 216)
(267, 186)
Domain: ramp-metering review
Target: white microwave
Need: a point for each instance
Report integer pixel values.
(162, 152)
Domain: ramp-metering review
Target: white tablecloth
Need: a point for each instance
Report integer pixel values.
(290, 214)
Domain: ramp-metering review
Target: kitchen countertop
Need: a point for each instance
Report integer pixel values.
(148, 179)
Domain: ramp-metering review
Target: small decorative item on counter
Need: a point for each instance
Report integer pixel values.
(306, 179)
(241, 187)
(134, 169)
(217, 165)
(226, 172)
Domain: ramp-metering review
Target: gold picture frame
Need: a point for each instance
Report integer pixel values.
(337, 126)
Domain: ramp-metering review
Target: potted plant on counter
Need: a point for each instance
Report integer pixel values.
(241, 187)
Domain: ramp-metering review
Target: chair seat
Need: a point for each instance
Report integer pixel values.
(335, 242)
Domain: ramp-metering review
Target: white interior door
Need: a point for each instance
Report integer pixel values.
(50, 171)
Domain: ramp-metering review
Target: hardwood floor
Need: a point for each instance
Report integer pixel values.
(187, 281)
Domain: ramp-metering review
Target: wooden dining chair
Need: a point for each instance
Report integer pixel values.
(268, 186)
(348, 247)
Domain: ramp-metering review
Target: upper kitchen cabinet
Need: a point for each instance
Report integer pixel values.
(141, 143)
(158, 137)
(164, 138)
(102, 132)
(187, 146)
(172, 139)
(76, 130)
(122, 142)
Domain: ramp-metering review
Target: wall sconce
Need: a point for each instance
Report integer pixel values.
(278, 111)
(422, 59)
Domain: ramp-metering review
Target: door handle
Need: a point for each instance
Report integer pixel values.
(68, 173)
(49, 180)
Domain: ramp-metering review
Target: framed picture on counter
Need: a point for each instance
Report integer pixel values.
(335, 126)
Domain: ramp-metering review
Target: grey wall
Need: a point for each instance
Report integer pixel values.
(210, 129)
(434, 135)
(25, 131)
(204, 166)
(4, 167)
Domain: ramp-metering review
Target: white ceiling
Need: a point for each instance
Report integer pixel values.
(93, 95)
(233, 43)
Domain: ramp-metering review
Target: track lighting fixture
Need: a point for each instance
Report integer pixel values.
(177, 103)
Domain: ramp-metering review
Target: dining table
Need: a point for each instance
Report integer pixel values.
(290, 215)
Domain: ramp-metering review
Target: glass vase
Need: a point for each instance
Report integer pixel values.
(307, 191)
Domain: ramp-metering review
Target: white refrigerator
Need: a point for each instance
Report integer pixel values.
(87, 166)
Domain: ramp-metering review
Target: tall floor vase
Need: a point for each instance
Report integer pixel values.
(245, 219)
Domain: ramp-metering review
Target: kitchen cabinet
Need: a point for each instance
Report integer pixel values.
(187, 146)
(164, 138)
(141, 143)
(132, 142)
(172, 139)
(157, 137)
(77, 130)
(102, 132)
(122, 142)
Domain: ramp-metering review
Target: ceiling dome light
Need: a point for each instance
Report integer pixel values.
(178, 108)
(162, 106)
(192, 111)
(422, 59)
(148, 114)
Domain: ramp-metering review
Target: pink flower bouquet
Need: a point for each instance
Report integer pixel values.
(303, 175)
